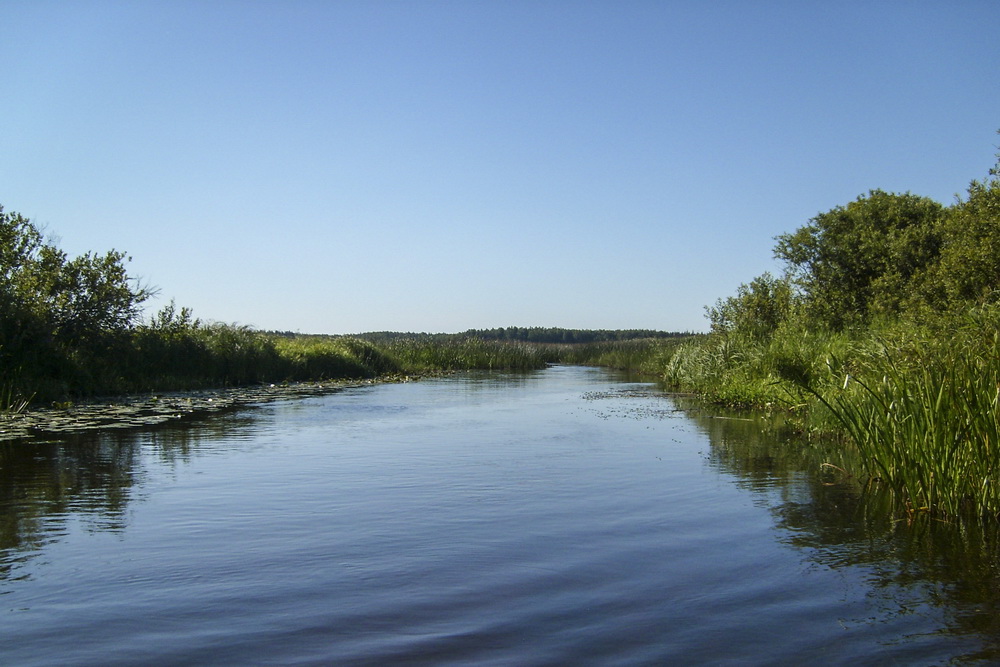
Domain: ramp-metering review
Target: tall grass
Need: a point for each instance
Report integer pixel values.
(919, 401)
(642, 355)
(321, 358)
(923, 413)
(753, 372)
(173, 351)
(181, 355)
(469, 354)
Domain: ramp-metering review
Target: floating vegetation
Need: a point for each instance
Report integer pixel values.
(653, 404)
(154, 410)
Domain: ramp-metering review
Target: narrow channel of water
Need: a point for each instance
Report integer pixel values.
(563, 517)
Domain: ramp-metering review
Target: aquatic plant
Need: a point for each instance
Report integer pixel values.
(923, 413)
(469, 354)
(325, 357)
(643, 355)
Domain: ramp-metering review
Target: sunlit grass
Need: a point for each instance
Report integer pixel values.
(923, 414)
(645, 356)
(321, 358)
(470, 354)
(920, 403)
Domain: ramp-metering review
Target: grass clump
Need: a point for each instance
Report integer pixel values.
(919, 402)
(470, 354)
(922, 411)
(323, 358)
(642, 355)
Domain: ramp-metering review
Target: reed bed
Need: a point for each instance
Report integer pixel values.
(189, 355)
(323, 358)
(644, 355)
(470, 354)
(919, 403)
(922, 412)
(754, 372)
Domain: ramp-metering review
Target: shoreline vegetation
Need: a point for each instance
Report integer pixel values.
(881, 334)
(155, 408)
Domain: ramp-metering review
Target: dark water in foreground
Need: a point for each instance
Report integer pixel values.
(558, 518)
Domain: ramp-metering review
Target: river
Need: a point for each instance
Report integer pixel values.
(562, 517)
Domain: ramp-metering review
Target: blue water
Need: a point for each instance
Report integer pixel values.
(563, 517)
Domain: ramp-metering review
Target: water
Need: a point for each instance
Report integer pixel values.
(563, 517)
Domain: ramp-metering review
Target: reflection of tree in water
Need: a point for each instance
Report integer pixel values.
(43, 486)
(90, 479)
(954, 567)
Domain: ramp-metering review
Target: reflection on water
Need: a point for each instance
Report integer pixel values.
(44, 485)
(88, 479)
(585, 505)
(910, 567)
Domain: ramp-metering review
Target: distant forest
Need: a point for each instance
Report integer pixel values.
(526, 334)
(557, 335)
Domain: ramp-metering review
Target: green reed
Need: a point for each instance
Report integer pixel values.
(923, 415)
(753, 372)
(325, 358)
(920, 405)
(469, 354)
(643, 355)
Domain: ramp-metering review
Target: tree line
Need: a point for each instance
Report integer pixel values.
(73, 327)
(568, 336)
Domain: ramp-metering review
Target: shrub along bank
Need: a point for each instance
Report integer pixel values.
(883, 328)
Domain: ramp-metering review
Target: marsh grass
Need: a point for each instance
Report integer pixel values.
(12, 403)
(470, 354)
(754, 372)
(918, 401)
(174, 351)
(324, 358)
(184, 355)
(644, 355)
(922, 412)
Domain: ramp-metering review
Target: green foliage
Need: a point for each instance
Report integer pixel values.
(58, 315)
(646, 356)
(747, 372)
(321, 358)
(569, 336)
(470, 354)
(860, 260)
(922, 410)
(884, 330)
(968, 271)
(539, 335)
(757, 309)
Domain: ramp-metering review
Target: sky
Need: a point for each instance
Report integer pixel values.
(351, 166)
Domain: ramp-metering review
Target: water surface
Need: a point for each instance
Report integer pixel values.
(563, 517)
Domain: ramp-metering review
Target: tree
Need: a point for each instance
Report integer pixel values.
(48, 299)
(756, 310)
(862, 259)
(969, 266)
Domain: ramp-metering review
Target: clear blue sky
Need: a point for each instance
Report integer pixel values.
(339, 167)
